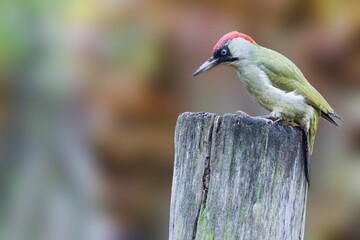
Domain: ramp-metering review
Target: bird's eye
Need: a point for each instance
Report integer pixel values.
(223, 52)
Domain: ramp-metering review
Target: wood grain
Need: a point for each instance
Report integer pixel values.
(237, 177)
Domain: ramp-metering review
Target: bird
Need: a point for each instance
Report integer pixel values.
(276, 83)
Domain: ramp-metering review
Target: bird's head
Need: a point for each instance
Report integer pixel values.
(230, 48)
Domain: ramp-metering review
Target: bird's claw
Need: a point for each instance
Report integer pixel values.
(270, 119)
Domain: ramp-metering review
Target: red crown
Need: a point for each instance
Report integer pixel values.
(229, 36)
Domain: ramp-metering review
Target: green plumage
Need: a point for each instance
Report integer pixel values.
(275, 83)
(285, 75)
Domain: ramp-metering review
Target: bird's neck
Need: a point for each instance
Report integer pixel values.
(258, 84)
(251, 75)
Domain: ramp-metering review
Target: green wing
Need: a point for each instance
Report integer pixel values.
(286, 76)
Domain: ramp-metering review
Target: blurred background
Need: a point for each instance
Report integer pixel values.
(90, 93)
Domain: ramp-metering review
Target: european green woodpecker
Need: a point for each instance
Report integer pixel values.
(275, 83)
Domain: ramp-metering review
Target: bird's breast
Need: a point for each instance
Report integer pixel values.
(290, 104)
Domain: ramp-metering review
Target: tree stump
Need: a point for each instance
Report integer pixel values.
(237, 177)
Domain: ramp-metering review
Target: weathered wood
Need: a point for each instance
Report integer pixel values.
(237, 177)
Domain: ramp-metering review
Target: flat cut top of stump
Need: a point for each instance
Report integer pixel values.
(237, 177)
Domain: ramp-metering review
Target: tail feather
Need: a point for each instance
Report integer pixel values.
(310, 136)
(307, 157)
(312, 130)
(334, 114)
(329, 117)
(309, 139)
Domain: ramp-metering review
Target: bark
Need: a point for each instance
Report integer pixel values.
(237, 177)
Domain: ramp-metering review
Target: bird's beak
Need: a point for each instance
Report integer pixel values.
(211, 62)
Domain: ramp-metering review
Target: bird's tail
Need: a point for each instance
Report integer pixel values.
(309, 142)
(312, 130)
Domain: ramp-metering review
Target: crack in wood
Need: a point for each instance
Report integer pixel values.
(206, 176)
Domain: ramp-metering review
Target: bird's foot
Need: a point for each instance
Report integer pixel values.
(270, 119)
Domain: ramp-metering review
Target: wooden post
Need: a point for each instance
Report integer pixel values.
(237, 177)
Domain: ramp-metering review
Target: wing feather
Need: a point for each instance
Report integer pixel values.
(286, 76)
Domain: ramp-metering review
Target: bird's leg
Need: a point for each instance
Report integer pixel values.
(307, 156)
